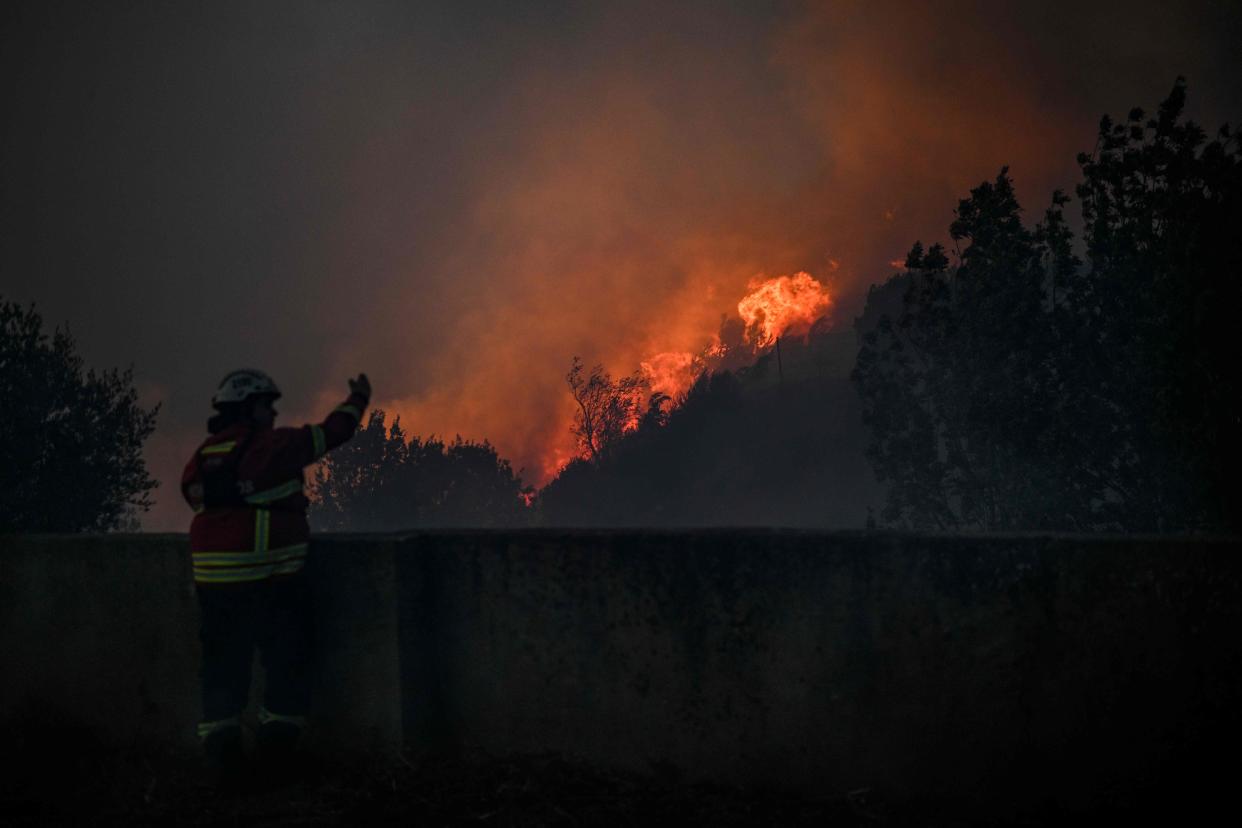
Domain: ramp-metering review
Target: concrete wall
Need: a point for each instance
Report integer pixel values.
(823, 662)
(103, 632)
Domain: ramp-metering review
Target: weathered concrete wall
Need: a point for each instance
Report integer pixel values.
(103, 632)
(824, 662)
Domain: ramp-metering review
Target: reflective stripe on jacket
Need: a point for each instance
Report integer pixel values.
(263, 531)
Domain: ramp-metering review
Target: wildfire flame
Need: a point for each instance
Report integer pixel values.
(782, 306)
(671, 372)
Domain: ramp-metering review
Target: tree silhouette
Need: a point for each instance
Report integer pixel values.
(71, 459)
(1017, 389)
(607, 409)
(360, 487)
(383, 480)
(959, 391)
(1154, 318)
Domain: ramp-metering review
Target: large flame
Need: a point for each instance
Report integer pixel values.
(786, 305)
(781, 306)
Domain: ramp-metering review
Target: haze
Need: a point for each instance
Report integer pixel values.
(459, 200)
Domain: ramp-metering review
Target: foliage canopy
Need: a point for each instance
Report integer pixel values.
(71, 460)
(382, 480)
(1018, 387)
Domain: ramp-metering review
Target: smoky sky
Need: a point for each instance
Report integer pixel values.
(459, 198)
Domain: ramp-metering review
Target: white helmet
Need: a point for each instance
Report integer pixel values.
(241, 385)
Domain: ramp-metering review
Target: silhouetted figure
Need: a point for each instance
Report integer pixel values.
(248, 541)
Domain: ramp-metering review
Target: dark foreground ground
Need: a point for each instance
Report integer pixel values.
(530, 791)
(62, 777)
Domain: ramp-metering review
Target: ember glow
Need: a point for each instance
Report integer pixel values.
(786, 305)
(557, 458)
(671, 372)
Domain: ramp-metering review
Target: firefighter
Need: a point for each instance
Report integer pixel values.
(248, 544)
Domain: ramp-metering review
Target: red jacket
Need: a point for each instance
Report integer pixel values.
(259, 531)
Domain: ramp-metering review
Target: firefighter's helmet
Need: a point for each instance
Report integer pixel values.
(241, 385)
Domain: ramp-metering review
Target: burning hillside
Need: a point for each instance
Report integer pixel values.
(776, 307)
(784, 306)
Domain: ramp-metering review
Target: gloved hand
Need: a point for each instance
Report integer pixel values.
(362, 386)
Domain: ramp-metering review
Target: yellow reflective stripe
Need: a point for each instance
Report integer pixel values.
(289, 567)
(320, 443)
(245, 574)
(232, 576)
(276, 493)
(240, 567)
(262, 529)
(266, 716)
(249, 558)
(205, 729)
(291, 551)
(350, 410)
(219, 448)
(228, 558)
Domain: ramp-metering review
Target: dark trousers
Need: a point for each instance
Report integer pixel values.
(273, 615)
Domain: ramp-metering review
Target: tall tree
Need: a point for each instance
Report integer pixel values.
(1016, 388)
(1154, 317)
(959, 391)
(71, 459)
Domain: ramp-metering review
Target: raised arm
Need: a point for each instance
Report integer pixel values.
(316, 440)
